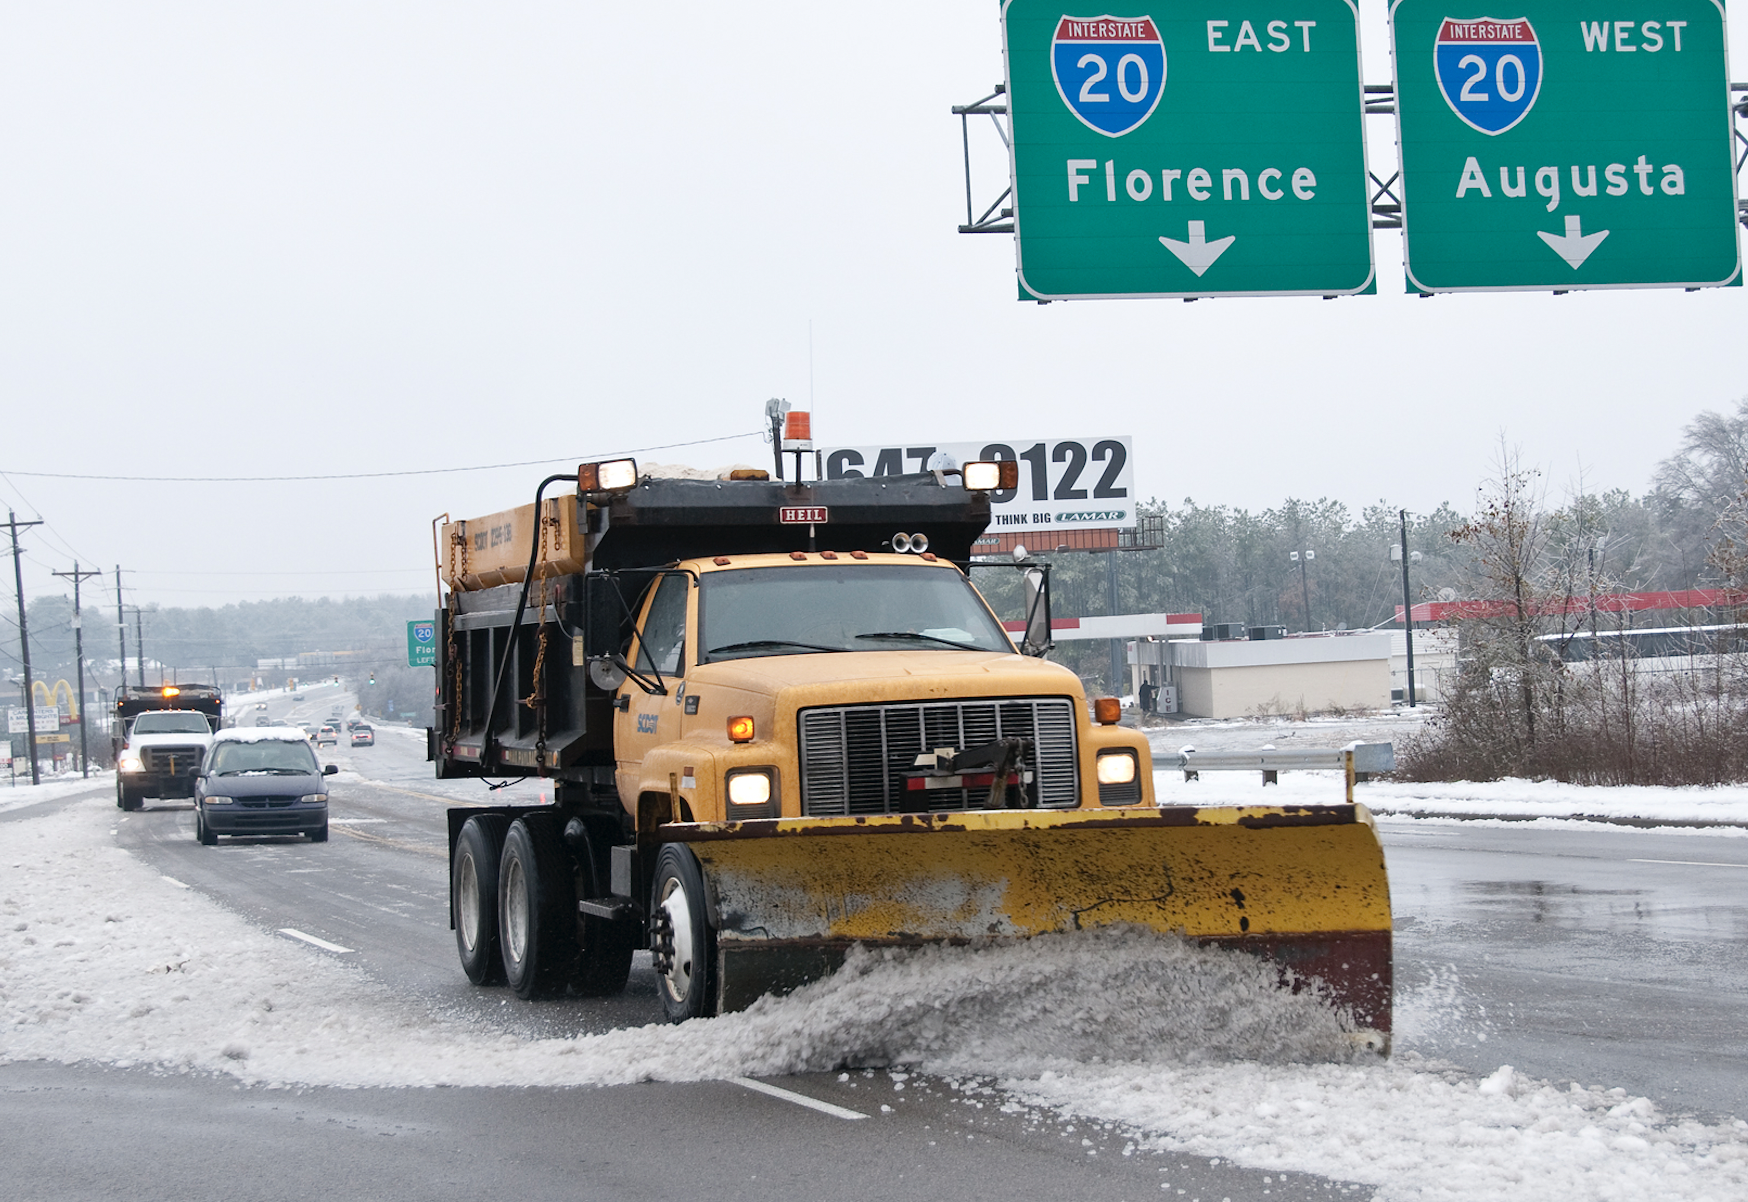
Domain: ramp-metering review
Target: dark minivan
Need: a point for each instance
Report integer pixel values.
(262, 781)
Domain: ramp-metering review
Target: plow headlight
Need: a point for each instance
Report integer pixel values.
(613, 475)
(989, 475)
(751, 787)
(1116, 767)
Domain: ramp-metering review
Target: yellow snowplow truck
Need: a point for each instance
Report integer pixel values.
(765, 735)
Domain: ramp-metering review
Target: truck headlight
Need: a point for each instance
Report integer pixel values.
(217, 801)
(1116, 767)
(310, 799)
(749, 787)
(131, 763)
(1119, 778)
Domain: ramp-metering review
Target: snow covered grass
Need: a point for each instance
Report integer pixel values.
(103, 959)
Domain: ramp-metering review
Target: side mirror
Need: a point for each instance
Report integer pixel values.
(330, 770)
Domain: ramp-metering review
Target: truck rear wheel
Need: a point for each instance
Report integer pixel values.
(473, 883)
(681, 938)
(537, 909)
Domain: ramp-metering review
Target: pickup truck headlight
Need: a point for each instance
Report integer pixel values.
(131, 763)
(310, 799)
(217, 801)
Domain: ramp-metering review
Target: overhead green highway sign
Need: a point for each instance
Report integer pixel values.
(1187, 148)
(1553, 149)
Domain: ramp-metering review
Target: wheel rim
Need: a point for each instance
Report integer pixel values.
(515, 910)
(467, 902)
(678, 908)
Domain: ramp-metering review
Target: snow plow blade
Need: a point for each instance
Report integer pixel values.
(1302, 885)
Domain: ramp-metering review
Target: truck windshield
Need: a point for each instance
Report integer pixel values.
(181, 723)
(279, 757)
(878, 607)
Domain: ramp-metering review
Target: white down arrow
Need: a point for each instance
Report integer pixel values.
(1198, 254)
(1574, 245)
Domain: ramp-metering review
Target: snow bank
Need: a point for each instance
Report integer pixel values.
(23, 793)
(103, 959)
(1501, 798)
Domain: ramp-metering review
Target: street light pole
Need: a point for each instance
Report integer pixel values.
(1407, 608)
(79, 651)
(14, 525)
(1300, 558)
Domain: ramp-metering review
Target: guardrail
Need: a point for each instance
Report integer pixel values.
(1357, 761)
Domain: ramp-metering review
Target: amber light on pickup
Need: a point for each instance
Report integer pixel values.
(1107, 711)
(740, 730)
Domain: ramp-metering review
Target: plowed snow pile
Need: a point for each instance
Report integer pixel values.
(103, 959)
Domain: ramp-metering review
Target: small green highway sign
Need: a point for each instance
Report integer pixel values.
(1556, 149)
(1187, 148)
(421, 644)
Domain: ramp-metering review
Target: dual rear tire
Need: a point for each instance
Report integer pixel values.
(516, 920)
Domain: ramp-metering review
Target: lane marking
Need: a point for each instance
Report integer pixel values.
(1691, 863)
(172, 880)
(800, 1099)
(353, 821)
(311, 939)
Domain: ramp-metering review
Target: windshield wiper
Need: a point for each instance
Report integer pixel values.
(761, 644)
(912, 634)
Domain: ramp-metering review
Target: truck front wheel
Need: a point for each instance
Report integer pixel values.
(681, 938)
(473, 883)
(126, 798)
(537, 909)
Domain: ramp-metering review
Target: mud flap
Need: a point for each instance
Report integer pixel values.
(1304, 886)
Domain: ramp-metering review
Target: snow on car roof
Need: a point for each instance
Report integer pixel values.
(260, 734)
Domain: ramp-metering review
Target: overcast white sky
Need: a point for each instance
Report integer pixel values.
(324, 238)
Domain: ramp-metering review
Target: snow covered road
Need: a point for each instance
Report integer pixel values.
(1153, 1051)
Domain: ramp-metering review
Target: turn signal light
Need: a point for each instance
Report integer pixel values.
(740, 730)
(1107, 711)
(613, 475)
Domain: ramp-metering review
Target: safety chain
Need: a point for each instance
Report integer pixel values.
(455, 540)
(536, 699)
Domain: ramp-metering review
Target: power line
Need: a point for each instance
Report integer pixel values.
(431, 471)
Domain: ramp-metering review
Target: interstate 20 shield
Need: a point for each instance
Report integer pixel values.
(1490, 70)
(1109, 70)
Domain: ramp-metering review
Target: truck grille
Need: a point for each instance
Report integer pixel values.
(853, 758)
(177, 761)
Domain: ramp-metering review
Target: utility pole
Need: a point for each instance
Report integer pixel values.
(1117, 656)
(14, 525)
(140, 647)
(1407, 608)
(1302, 558)
(79, 651)
(121, 625)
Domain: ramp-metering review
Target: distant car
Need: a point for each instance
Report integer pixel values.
(263, 720)
(297, 696)
(363, 736)
(327, 735)
(261, 783)
(309, 732)
(353, 722)
(260, 705)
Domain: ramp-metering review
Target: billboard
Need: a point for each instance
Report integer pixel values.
(1065, 483)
